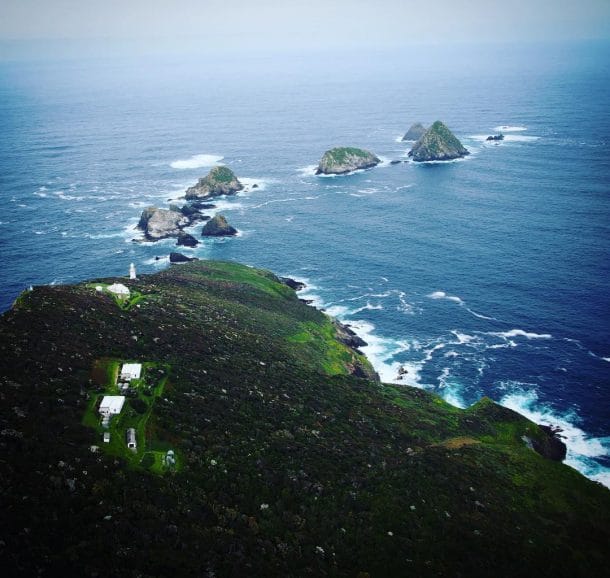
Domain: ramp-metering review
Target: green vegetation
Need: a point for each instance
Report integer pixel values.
(287, 464)
(340, 154)
(135, 414)
(124, 302)
(222, 175)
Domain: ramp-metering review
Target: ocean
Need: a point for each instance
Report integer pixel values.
(484, 276)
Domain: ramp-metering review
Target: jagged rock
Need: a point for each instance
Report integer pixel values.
(495, 137)
(296, 285)
(219, 181)
(347, 336)
(550, 445)
(438, 143)
(186, 240)
(180, 258)
(414, 133)
(218, 227)
(343, 160)
(161, 223)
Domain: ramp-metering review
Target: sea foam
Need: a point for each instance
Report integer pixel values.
(196, 162)
(582, 449)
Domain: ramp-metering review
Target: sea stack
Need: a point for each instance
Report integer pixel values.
(218, 227)
(438, 143)
(414, 133)
(161, 223)
(341, 160)
(219, 181)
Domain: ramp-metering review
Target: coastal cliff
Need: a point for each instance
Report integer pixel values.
(287, 457)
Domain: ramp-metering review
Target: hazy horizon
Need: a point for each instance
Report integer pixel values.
(32, 29)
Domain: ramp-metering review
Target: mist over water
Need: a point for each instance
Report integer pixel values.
(487, 276)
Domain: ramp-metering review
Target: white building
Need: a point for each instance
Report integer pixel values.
(119, 289)
(111, 405)
(132, 271)
(106, 437)
(131, 439)
(131, 371)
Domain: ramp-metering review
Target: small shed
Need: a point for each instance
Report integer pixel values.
(111, 405)
(131, 371)
(119, 289)
(131, 439)
(106, 437)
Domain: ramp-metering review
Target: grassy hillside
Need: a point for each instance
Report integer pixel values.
(288, 464)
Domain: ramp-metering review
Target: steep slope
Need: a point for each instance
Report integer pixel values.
(287, 464)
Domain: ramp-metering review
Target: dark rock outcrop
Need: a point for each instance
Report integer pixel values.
(180, 258)
(186, 240)
(219, 181)
(415, 132)
(438, 143)
(341, 160)
(161, 223)
(495, 137)
(346, 335)
(296, 285)
(550, 445)
(218, 227)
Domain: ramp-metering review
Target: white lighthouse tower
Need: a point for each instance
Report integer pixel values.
(132, 271)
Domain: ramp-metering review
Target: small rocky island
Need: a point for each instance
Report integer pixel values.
(342, 160)
(160, 224)
(495, 137)
(438, 143)
(218, 227)
(219, 181)
(414, 133)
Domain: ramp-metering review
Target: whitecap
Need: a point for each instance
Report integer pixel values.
(368, 307)
(520, 138)
(519, 333)
(606, 359)
(581, 447)
(443, 295)
(196, 162)
(463, 338)
(450, 390)
(308, 171)
(509, 128)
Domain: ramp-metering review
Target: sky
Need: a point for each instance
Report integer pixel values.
(248, 25)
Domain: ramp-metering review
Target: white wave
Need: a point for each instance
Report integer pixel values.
(62, 195)
(463, 338)
(41, 194)
(249, 182)
(368, 307)
(509, 343)
(479, 315)
(443, 295)
(606, 359)
(520, 138)
(404, 306)
(450, 389)
(520, 333)
(509, 128)
(196, 162)
(381, 351)
(581, 447)
(308, 171)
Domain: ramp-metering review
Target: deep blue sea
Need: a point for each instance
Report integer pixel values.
(484, 276)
